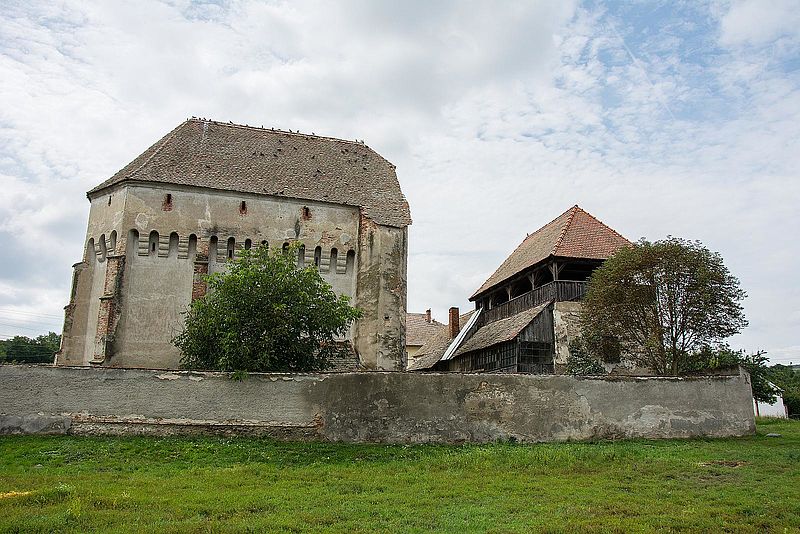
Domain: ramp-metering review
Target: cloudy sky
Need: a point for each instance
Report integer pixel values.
(659, 117)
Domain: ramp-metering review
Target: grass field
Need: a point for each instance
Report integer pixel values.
(51, 484)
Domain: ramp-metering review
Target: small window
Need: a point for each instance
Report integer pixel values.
(301, 256)
(317, 256)
(112, 241)
(167, 205)
(285, 248)
(351, 261)
(243, 207)
(231, 247)
(153, 243)
(306, 214)
(248, 244)
(264, 243)
(109, 200)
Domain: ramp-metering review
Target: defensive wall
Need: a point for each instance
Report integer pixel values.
(390, 407)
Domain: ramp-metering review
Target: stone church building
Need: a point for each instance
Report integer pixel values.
(207, 190)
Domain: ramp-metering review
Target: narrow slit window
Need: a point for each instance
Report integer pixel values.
(231, 247)
(243, 207)
(351, 261)
(317, 256)
(153, 243)
(167, 205)
(301, 256)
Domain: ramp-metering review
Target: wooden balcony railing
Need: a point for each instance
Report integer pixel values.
(560, 290)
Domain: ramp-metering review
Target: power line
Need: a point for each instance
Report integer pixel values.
(26, 321)
(22, 327)
(31, 314)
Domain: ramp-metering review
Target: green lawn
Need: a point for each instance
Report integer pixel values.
(232, 485)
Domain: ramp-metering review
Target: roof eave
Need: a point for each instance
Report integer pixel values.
(495, 286)
(98, 191)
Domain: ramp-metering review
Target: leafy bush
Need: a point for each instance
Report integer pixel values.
(788, 379)
(711, 358)
(580, 362)
(22, 349)
(265, 315)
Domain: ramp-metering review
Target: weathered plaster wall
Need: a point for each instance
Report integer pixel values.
(373, 407)
(566, 327)
(156, 284)
(381, 282)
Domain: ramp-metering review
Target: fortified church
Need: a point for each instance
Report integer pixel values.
(207, 190)
(196, 198)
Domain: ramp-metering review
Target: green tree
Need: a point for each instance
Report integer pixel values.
(580, 362)
(663, 301)
(265, 315)
(788, 379)
(711, 358)
(22, 349)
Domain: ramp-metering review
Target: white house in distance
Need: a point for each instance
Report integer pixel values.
(776, 409)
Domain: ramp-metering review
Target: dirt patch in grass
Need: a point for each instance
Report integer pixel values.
(723, 463)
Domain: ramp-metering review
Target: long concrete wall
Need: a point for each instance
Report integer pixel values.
(372, 407)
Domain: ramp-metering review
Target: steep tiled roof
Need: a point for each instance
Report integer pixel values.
(273, 162)
(418, 329)
(345, 362)
(500, 331)
(573, 234)
(433, 350)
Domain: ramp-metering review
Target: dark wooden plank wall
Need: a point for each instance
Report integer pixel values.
(560, 290)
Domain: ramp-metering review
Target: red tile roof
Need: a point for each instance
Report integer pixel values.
(419, 330)
(573, 234)
(432, 351)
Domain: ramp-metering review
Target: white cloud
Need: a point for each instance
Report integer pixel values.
(499, 117)
(760, 21)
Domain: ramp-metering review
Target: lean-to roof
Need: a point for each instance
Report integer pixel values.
(432, 351)
(500, 331)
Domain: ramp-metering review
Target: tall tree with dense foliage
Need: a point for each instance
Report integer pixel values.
(663, 301)
(265, 315)
(22, 349)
